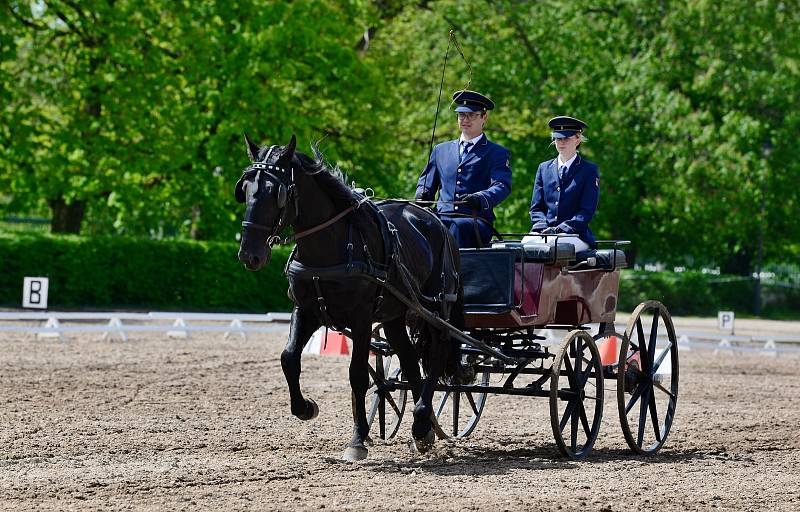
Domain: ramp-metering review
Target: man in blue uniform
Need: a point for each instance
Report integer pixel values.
(567, 188)
(471, 174)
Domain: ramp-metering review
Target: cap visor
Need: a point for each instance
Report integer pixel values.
(468, 108)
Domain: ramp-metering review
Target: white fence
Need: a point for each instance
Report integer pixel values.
(119, 324)
(770, 345)
(181, 324)
(688, 340)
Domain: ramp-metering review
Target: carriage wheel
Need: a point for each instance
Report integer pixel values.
(458, 412)
(387, 405)
(647, 383)
(576, 394)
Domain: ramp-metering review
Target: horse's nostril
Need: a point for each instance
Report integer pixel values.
(255, 260)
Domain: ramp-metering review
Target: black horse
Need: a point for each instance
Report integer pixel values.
(352, 260)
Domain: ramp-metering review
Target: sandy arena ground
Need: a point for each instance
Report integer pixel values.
(203, 423)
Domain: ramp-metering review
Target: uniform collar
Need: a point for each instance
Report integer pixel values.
(568, 163)
(473, 141)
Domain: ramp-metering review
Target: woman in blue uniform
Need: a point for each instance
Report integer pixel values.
(566, 190)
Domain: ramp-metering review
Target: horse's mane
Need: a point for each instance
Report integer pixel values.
(330, 179)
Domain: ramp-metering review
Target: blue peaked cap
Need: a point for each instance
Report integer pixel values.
(471, 101)
(565, 126)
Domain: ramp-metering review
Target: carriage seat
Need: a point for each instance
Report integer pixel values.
(608, 259)
(549, 254)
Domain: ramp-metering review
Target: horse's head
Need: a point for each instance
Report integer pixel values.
(267, 187)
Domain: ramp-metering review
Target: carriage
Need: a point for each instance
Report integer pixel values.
(516, 297)
(358, 263)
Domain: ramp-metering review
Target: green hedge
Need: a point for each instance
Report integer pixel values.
(115, 272)
(696, 294)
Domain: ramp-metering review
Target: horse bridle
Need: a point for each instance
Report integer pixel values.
(286, 194)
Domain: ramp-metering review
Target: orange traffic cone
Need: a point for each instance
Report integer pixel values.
(609, 351)
(335, 345)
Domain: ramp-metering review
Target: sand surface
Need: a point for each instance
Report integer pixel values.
(203, 423)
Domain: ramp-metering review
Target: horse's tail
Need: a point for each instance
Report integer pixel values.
(435, 345)
(454, 368)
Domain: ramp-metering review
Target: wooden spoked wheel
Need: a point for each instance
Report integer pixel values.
(647, 382)
(458, 412)
(576, 394)
(388, 403)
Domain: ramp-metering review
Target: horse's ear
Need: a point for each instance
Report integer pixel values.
(289, 148)
(252, 148)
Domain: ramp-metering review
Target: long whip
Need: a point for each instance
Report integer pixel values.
(451, 40)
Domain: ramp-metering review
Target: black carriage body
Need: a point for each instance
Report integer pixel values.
(535, 285)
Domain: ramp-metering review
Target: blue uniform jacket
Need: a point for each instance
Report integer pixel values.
(568, 204)
(486, 171)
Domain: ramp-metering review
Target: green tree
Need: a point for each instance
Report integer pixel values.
(134, 111)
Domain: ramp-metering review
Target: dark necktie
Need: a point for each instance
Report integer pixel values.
(562, 171)
(465, 150)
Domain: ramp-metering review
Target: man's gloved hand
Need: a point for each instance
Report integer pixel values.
(554, 230)
(473, 201)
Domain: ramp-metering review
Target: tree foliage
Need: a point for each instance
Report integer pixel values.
(127, 117)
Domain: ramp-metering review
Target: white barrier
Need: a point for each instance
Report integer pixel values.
(54, 327)
(719, 342)
(237, 324)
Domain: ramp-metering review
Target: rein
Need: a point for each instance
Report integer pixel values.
(274, 238)
(310, 231)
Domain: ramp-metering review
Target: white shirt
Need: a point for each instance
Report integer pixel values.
(568, 162)
(474, 141)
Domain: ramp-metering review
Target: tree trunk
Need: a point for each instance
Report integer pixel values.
(67, 218)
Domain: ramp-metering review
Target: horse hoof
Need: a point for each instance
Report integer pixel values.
(355, 453)
(424, 444)
(310, 404)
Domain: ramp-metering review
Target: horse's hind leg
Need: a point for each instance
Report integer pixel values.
(409, 362)
(359, 382)
(422, 428)
(303, 325)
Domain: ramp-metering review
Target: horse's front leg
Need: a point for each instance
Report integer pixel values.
(359, 382)
(304, 323)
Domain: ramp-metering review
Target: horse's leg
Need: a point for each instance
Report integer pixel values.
(304, 323)
(422, 428)
(397, 336)
(359, 382)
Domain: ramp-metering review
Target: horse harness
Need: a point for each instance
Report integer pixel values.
(381, 273)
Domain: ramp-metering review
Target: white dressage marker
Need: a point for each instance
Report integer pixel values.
(34, 292)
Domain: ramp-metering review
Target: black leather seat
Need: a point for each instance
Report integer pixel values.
(548, 254)
(608, 259)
